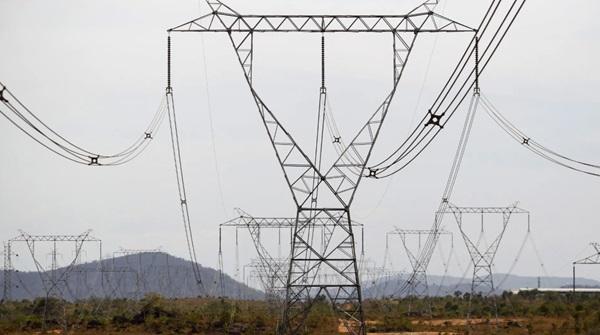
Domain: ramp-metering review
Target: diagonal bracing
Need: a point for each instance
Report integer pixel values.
(483, 257)
(323, 193)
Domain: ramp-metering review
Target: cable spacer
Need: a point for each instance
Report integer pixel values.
(526, 141)
(434, 119)
(336, 139)
(183, 202)
(372, 173)
(445, 200)
(148, 136)
(94, 160)
(2, 98)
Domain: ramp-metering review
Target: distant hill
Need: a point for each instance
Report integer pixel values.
(131, 276)
(440, 286)
(136, 275)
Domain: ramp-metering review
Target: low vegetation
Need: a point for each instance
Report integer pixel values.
(526, 313)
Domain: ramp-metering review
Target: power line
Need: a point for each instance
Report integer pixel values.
(535, 147)
(176, 149)
(212, 129)
(454, 92)
(35, 128)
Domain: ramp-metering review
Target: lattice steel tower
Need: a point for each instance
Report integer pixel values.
(319, 191)
(272, 271)
(483, 257)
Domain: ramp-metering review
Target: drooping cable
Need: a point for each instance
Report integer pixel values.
(176, 148)
(435, 116)
(513, 264)
(457, 88)
(544, 152)
(34, 127)
(429, 247)
(212, 129)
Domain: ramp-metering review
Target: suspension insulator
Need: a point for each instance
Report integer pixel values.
(169, 61)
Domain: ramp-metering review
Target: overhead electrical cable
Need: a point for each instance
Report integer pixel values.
(434, 118)
(454, 92)
(427, 251)
(212, 128)
(183, 200)
(34, 127)
(537, 148)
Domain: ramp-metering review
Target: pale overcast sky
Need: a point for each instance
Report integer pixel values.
(95, 71)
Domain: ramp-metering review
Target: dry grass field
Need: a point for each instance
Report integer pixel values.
(531, 313)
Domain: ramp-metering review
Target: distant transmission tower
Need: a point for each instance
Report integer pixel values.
(140, 270)
(53, 279)
(7, 271)
(483, 257)
(418, 284)
(323, 192)
(270, 270)
(590, 260)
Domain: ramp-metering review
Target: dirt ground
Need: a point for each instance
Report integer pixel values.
(464, 322)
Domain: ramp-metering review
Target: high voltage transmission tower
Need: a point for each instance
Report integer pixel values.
(323, 192)
(483, 257)
(139, 269)
(54, 279)
(271, 277)
(7, 271)
(272, 271)
(590, 260)
(418, 285)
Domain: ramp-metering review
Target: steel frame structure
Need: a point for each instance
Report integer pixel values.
(271, 277)
(271, 270)
(7, 271)
(51, 279)
(308, 182)
(141, 283)
(370, 272)
(483, 258)
(418, 286)
(590, 260)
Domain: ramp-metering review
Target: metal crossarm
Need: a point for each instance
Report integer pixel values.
(24, 237)
(593, 259)
(413, 23)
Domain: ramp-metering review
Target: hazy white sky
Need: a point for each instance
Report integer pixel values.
(95, 70)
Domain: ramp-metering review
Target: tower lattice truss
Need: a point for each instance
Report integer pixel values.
(323, 192)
